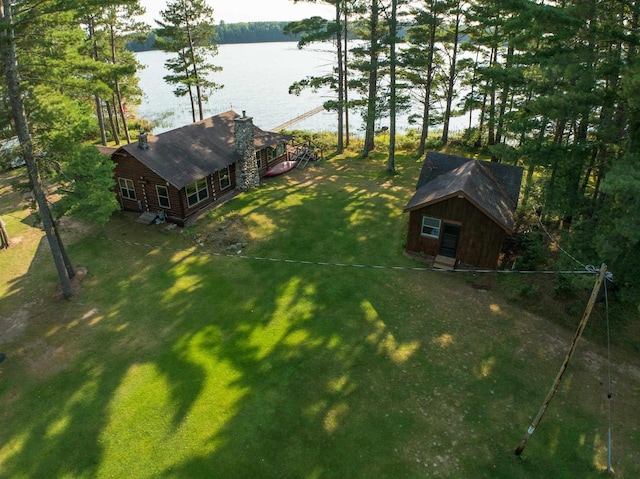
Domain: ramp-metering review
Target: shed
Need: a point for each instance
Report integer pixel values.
(180, 172)
(462, 210)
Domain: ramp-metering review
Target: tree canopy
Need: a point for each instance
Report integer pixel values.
(48, 79)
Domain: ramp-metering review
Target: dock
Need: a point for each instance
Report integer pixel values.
(297, 119)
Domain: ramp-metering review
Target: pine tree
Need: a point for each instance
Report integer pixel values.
(371, 67)
(420, 59)
(188, 30)
(11, 71)
(453, 40)
(121, 25)
(318, 29)
(48, 81)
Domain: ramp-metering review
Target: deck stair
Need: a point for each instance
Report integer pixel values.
(147, 218)
(303, 155)
(444, 262)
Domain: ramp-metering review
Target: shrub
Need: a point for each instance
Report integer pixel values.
(563, 287)
(532, 251)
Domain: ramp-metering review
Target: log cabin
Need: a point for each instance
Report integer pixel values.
(462, 210)
(178, 173)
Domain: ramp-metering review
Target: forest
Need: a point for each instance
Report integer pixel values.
(553, 87)
(249, 32)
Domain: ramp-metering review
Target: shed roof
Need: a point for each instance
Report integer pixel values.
(187, 154)
(492, 187)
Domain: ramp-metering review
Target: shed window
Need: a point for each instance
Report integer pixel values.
(197, 192)
(259, 158)
(163, 196)
(430, 227)
(270, 154)
(127, 189)
(225, 178)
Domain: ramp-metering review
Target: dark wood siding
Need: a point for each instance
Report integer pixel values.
(480, 238)
(145, 182)
(270, 163)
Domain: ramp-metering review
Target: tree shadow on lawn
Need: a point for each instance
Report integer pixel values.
(353, 387)
(61, 373)
(285, 380)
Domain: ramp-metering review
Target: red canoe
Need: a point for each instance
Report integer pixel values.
(281, 168)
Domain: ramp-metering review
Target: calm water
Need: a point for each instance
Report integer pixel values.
(256, 78)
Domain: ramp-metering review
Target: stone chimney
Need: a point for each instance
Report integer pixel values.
(247, 175)
(143, 142)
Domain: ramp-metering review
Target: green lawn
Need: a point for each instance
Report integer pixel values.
(172, 361)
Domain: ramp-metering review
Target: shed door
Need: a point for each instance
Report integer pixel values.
(449, 241)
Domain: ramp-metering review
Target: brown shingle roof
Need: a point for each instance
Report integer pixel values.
(106, 150)
(187, 154)
(492, 187)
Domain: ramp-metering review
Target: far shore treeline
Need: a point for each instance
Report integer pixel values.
(249, 32)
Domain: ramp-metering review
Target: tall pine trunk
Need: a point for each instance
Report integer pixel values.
(426, 112)
(196, 74)
(340, 147)
(369, 136)
(491, 127)
(9, 57)
(4, 236)
(452, 79)
(112, 123)
(345, 76)
(504, 96)
(118, 92)
(96, 97)
(391, 161)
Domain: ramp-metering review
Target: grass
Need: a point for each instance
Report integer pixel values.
(180, 360)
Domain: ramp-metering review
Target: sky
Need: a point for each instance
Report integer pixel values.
(234, 11)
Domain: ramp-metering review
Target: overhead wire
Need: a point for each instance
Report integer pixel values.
(588, 267)
(239, 255)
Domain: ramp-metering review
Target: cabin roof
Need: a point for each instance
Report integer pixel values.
(492, 187)
(189, 153)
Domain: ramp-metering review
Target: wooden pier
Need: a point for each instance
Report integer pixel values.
(297, 119)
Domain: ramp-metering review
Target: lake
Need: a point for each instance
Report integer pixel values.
(256, 79)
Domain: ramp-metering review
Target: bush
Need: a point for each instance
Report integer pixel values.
(532, 251)
(470, 137)
(563, 287)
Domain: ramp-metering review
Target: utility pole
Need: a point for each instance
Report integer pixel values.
(563, 368)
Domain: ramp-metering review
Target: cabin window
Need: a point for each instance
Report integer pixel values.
(127, 189)
(197, 192)
(430, 227)
(163, 196)
(270, 154)
(225, 178)
(259, 158)
(280, 149)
